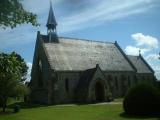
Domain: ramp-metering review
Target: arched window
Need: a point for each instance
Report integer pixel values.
(129, 81)
(110, 80)
(116, 82)
(40, 77)
(40, 64)
(135, 79)
(123, 80)
(67, 84)
(148, 78)
(143, 78)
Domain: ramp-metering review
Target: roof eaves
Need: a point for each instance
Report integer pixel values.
(117, 45)
(146, 63)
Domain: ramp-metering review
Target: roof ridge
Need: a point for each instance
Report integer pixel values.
(133, 55)
(83, 39)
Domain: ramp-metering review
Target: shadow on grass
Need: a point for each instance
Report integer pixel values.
(6, 112)
(25, 105)
(124, 115)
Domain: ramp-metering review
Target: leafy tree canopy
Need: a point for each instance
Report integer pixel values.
(12, 13)
(12, 74)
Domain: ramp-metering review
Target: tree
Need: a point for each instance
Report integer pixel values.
(12, 13)
(142, 99)
(12, 72)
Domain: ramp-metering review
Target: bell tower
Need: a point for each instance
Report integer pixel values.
(51, 26)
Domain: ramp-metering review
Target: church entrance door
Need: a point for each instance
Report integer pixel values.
(99, 92)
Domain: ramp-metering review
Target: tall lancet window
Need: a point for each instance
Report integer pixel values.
(67, 85)
(40, 77)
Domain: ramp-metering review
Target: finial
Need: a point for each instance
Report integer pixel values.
(139, 52)
(50, 3)
(97, 65)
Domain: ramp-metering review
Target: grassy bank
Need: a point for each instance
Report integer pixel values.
(72, 112)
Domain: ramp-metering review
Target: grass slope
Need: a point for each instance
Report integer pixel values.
(75, 112)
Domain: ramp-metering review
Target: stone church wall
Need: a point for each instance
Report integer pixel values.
(146, 78)
(120, 82)
(41, 75)
(67, 83)
(98, 78)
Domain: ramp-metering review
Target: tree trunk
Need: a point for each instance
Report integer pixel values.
(4, 108)
(4, 104)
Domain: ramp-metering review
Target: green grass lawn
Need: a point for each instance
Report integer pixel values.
(75, 112)
(118, 100)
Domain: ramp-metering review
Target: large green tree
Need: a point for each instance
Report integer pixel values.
(12, 72)
(12, 13)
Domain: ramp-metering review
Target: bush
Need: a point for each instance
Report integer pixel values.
(0, 103)
(142, 99)
(17, 108)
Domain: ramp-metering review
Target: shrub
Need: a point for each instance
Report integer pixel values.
(142, 99)
(17, 108)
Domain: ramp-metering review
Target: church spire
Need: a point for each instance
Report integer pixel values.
(51, 23)
(51, 26)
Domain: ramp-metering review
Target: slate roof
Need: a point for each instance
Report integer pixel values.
(79, 55)
(140, 64)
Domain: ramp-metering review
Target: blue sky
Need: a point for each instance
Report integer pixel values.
(134, 24)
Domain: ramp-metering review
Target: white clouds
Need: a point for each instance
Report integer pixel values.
(143, 43)
(157, 71)
(154, 62)
(29, 64)
(99, 12)
(76, 15)
(103, 11)
(22, 34)
(131, 50)
(147, 45)
(145, 40)
(152, 57)
(38, 6)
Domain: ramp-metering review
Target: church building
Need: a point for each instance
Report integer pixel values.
(71, 70)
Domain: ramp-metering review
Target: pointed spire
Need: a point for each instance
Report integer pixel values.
(51, 24)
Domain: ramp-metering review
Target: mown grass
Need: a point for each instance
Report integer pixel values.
(118, 100)
(72, 112)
